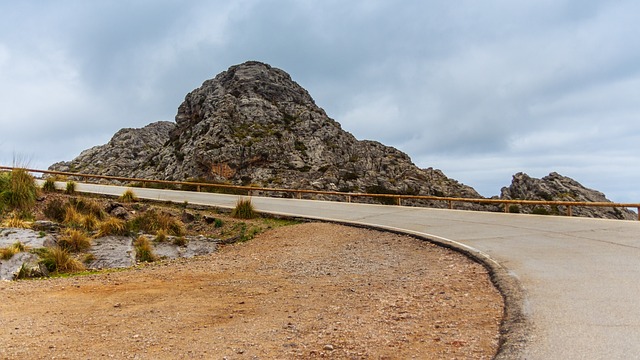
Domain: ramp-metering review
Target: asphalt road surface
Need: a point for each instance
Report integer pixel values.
(580, 277)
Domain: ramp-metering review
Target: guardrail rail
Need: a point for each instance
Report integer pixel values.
(398, 198)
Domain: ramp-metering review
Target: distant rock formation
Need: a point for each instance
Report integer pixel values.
(556, 187)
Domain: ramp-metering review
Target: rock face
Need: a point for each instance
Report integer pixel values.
(556, 187)
(252, 124)
(127, 154)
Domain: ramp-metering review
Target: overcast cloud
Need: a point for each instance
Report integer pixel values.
(479, 89)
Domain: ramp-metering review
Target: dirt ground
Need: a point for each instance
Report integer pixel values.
(296, 292)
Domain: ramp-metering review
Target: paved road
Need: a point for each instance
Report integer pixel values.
(581, 277)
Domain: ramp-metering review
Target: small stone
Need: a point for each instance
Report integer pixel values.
(328, 347)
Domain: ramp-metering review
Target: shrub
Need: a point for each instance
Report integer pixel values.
(16, 221)
(49, 185)
(144, 252)
(89, 222)
(217, 223)
(128, 196)
(180, 241)
(161, 235)
(74, 240)
(57, 259)
(8, 252)
(72, 217)
(244, 210)
(88, 207)
(55, 210)
(71, 188)
(151, 221)
(540, 211)
(113, 226)
(515, 209)
(18, 190)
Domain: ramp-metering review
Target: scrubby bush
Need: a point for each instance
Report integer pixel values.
(74, 240)
(144, 251)
(59, 260)
(128, 196)
(18, 190)
(151, 221)
(55, 210)
(8, 252)
(244, 210)
(49, 185)
(113, 226)
(71, 188)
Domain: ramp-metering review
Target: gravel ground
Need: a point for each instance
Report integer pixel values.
(305, 291)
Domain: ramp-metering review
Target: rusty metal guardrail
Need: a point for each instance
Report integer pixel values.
(398, 198)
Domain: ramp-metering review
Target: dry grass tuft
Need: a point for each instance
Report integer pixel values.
(59, 260)
(113, 226)
(144, 251)
(74, 240)
(244, 210)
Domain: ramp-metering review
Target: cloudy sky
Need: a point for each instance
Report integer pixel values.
(479, 89)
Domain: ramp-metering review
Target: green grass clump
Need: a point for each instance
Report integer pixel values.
(71, 188)
(59, 260)
(49, 185)
(144, 252)
(244, 210)
(128, 196)
(74, 240)
(18, 190)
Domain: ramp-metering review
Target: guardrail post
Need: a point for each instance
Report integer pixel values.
(569, 212)
(348, 198)
(638, 213)
(450, 205)
(299, 195)
(198, 188)
(399, 201)
(506, 208)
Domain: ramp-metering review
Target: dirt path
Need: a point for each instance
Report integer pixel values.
(305, 291)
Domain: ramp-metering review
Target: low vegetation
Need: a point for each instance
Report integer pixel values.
(49, 185)
(71, 188)
(244, 210)
(144, 251)
(81, 218)
(74, 240)
(128, 196)
(59, 260)
(18, 191)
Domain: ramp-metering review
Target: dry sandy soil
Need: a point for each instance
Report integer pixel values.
(305, 291)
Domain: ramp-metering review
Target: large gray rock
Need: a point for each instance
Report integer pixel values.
(252, 124)
(29, 238)
(556, 187)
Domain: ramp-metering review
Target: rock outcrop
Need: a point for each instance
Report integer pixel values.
(556, 187)
(128, 153)
(253, 125)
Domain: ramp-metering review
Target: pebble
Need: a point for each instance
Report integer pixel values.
(328, 347)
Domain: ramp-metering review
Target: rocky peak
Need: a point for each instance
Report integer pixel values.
(253, 124)
(556, 187)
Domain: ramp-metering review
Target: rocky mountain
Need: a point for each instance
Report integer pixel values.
(252, 124)
(556, 187)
